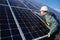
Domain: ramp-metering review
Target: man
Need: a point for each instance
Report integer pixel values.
(49, 20)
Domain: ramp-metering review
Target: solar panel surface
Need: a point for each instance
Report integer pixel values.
(8, 29)
(17, 3)
(31, 6)
(3, 2)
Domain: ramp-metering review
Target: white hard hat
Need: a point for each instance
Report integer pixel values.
(44, 8)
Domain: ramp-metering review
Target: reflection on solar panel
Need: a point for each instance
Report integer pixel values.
(8, 29)
(14, 21)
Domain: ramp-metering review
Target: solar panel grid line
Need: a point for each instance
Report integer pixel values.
(8, 29)
(35, 4)
(9, 24)
(9, 37)
(14, 6)
(29, 5)
(24, 4)
(6, 37)
(26, 26)
(3, 4)
(20, 7)
(17, 3)
(32, 4)
(21, 33)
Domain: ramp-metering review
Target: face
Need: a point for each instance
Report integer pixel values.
(43, 13)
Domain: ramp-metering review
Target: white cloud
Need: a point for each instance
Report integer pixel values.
(57, 9)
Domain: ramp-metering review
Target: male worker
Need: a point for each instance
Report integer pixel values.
(48, 19)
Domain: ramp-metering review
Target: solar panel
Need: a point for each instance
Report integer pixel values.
(8, 28)
(3, 2)
(16, 3)
(31, 26)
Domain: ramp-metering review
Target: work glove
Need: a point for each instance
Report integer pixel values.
(35, 13)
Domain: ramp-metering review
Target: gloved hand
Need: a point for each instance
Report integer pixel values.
(35, 13)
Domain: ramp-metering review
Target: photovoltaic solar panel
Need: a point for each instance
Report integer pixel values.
(16, 3)
(8, 28)
(3, 2)
(31, 26)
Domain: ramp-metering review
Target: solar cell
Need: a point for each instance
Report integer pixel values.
(31, 6)
(8, 28)
(3, 2)
(16, 3)
(31, 26)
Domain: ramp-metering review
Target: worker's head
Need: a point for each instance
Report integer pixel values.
(43, 10)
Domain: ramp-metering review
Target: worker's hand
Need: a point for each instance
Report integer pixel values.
(49, 34)
(35, 13)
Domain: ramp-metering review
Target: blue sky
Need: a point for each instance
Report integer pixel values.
(55, 4)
